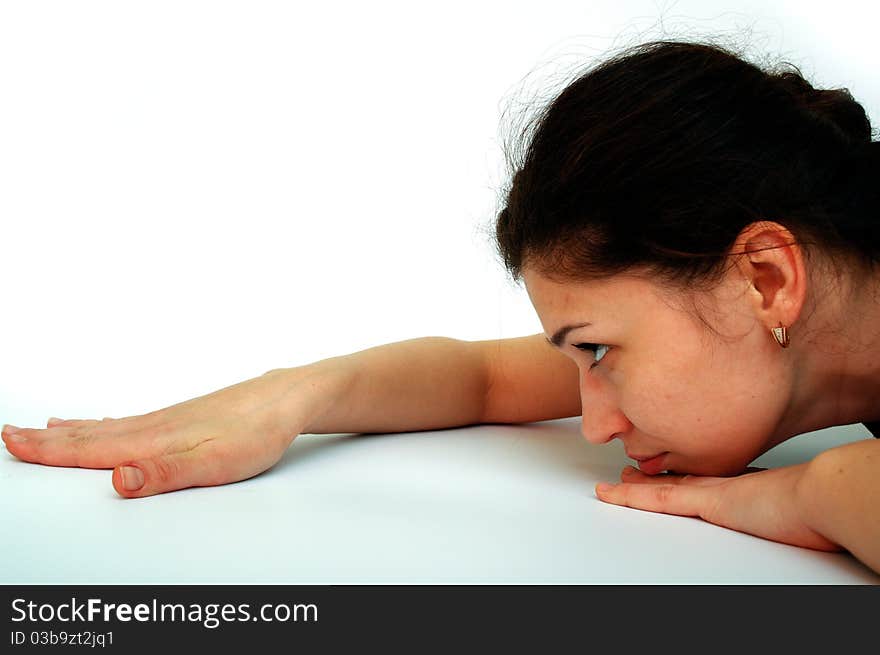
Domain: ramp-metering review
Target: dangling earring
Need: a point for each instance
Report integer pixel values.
(781, 335)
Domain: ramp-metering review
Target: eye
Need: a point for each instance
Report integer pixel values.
(595, 348)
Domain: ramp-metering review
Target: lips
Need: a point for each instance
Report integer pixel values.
(651, 465)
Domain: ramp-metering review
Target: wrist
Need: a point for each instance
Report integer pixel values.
(311, 395)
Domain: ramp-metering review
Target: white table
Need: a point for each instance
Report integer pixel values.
(508, 504)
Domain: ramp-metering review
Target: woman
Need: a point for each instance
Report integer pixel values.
(699, 238)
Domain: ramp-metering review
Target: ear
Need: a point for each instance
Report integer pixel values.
(773, 265)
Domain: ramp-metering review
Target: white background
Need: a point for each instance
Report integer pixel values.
(193, 193)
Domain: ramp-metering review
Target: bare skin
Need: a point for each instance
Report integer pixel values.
(225, 436)
(687, 401)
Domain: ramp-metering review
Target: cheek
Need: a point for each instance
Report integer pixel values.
(712, 408)
(682, 396)
(659, 397)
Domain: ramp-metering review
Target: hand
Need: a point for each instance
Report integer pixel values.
(225, 436)
(761, 503)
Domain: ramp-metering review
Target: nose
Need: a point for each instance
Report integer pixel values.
(601, 418)
(597, 436)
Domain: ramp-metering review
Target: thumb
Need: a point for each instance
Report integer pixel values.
(169, 472)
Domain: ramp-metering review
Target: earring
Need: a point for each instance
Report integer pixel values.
(781, 335)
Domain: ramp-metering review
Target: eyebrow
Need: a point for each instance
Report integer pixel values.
(559, 337)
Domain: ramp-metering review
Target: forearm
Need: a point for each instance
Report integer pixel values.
(839, 497)
(419, 384)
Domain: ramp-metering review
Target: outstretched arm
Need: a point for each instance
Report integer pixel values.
(829, 503)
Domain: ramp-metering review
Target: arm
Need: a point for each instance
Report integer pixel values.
(830, 503)
(419, 384)
(529, 380)
(241, 430)
(839, 497)
(438, 382)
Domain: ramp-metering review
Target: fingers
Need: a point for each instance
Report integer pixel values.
(56, 422)
(679, 499)
(159, 457)
(683, 495)
(632, 474)
(195, 467)
(85, 444)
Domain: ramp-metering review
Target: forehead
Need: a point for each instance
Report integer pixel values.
(617, 294)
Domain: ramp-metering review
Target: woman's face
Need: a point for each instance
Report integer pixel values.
(668, 387)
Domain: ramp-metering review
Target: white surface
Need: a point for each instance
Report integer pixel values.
(484, 504)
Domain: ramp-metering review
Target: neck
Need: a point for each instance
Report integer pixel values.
(835, 363)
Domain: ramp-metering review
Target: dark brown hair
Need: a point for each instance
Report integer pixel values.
(657, 158)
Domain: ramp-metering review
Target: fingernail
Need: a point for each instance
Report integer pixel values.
(10, 428)
(53, 419)
(132, 478)
(17, 438)
(604, 486)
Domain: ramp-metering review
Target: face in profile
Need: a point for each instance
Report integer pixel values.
(679, 396)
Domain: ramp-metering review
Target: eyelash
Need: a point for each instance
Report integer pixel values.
(592, 347)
